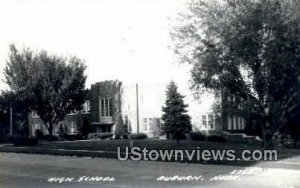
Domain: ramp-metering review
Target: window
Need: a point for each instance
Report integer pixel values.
(228, 99)
(210, 121)
(126, 120)
(243, 123)
(36, 126)
(145, 122)
(60, 128)
(86, 107)
(229, 123)
(129, 126)
(34, 114)
(153, 123)
(233, 100)
(204, 123)
(72, 127)
(106, 107)
(210, 125)
(73, 112)
(56, 129)
(234, 122)
(241, 103)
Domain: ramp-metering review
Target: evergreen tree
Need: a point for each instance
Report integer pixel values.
(176, 121)
(119, 127)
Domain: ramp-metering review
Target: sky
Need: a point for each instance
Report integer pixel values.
(126, 40)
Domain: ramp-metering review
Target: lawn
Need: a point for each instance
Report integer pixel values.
(150, 144)
(108, 148)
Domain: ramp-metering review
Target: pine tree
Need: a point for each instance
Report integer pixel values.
(176, 121)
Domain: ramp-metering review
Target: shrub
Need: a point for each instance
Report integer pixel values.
(197, 136)
(138, 136)
(39, 134)
(72, 137)
(179, 136)
(100, 135)
(50, 138)
(105, 135)
(117, 136)
(92, 136)
(2, 138)
(216, 138)
(8, 139)
(126, 136)
(24, 141)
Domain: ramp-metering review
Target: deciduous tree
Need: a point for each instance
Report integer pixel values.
(248, 47)
(51, 85)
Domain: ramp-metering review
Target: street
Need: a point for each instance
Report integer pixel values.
(27, 170)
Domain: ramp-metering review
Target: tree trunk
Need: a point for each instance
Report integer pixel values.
(263, 136)
(295, 140)
(50, 129)
(267, 133)
(178, 141)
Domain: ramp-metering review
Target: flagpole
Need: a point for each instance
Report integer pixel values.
(10, 120)
(137, 109)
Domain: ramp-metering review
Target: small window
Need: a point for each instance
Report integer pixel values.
(86, 108)
(204, 124)
(106, 107)
(229, 123)
(210, 124)
(243, 123)
(145, 122)
(34, 114)
(35, 127)
(241, 103)
(228, 99)
(111, 107)
(73, 112)
(234, 122)
(72, 127)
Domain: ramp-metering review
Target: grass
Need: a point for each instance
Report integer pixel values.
(108, 148)
(151, 144)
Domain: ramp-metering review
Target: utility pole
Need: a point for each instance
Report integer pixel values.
(137, 109)
(10, 120)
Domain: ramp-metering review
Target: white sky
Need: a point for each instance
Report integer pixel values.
(119, 39)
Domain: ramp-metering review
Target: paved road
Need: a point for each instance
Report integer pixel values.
(26, 170)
